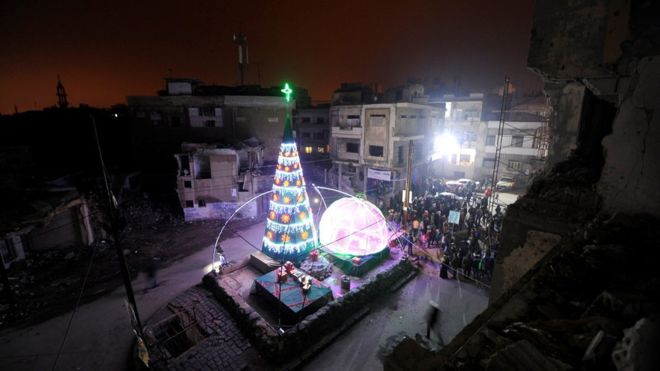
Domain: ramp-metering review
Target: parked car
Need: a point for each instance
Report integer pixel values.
(465, 181)
(505, 183)
(453, 185)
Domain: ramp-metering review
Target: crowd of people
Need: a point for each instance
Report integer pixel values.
(468, 243)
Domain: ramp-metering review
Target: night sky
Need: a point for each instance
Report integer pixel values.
(106, 50)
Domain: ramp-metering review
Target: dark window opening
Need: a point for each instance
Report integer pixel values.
(376, 151)
(185, 166)
(353, 147)
(190, 203)
(187, 184)
(490, 140)
(201, 203)
(517, 141)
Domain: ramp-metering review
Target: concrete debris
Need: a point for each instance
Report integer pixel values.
(638, 350)
(523, 356)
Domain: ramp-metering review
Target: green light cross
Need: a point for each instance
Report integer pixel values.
(287, 91)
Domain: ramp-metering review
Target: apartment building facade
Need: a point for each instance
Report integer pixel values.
(370, 142)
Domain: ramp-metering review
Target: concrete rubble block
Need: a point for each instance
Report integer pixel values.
(638, 350)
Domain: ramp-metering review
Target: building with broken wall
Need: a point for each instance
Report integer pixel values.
(188, 111)
(576, 282)
(45, 221)
(213, 182)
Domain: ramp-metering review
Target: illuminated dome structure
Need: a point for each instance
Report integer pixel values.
(353, 227)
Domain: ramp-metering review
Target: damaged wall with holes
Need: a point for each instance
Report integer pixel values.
(576, 282)
(599, 63)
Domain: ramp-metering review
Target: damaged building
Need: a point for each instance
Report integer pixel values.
(40, 221)
(212, 182)
(189, 111)
(576, 281)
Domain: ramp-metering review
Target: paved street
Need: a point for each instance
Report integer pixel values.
(100, 335)
(402, 314)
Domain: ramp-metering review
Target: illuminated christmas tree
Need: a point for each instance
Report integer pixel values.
(290, 231)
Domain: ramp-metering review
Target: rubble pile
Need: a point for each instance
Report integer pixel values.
(582, 308)
(140, 214)
(48, 282)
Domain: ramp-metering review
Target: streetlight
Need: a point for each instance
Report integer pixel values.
(444, 145)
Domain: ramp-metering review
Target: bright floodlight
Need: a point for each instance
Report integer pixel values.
(353, 227)
(445, 145)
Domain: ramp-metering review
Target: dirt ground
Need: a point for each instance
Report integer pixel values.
(49, 283)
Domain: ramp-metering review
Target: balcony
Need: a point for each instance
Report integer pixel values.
(347, 132)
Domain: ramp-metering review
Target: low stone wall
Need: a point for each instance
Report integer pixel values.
(280, 348)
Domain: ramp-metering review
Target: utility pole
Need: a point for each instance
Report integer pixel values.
(498, 143)
(113, 212)
(406, 197)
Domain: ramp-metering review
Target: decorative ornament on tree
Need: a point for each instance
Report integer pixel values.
(290, 231)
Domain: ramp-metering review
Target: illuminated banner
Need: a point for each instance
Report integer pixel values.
(379, 174)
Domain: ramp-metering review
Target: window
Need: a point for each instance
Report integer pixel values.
(464, 160)
(176, 121)
(201, 203)
(305, 120)
(515, 165)
(320, 120)
(404, 116)
(209, 123)
(308, 150)
(376, 151)
(488, 163)
(319, 136)
(353, 147)
(353, 117)
(517, 141)
(490, 140)
(187, 184)
(377, 119)
(400, 154)
(305, 134)
(190, 203)
(207, 111)
(320, 149)
(185, 166)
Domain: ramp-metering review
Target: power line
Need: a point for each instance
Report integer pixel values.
(75, 308)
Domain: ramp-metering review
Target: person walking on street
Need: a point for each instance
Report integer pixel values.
(151, 269)
(432, 317)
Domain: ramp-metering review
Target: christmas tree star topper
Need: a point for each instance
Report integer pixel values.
(287, 91)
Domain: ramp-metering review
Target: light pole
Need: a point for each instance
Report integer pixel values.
(406, 194)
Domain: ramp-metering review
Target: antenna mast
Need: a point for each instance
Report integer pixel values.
(243, 56)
